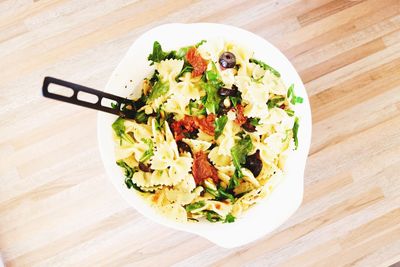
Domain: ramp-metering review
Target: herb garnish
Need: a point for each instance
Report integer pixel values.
(295, 131)
(119, 129)
(149, 152)
(158, 54)
(229, 218)
(195, 206)
(293, 98)
(128, 171)
(239, 152)
(219, 125)
(159, 89)
(265, 66)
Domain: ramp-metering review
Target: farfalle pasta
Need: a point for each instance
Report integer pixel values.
(211, 132)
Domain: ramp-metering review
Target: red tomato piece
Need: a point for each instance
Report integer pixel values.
(189, 124)
(203, 169)
(206, 124)
(198, 63)
(183, 126)
(240, 117)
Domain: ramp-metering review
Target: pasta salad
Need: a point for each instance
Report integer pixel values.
(211, 132)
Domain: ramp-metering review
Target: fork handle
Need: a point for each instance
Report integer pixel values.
(120, 102)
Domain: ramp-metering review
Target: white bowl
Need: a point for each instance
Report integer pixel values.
(272, 211)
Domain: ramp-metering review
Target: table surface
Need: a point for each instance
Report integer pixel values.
(57, 207)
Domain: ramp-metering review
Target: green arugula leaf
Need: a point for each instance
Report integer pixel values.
(235, 100)
(229, 218)
(200, 43)
(219, 125)
(225, 195)
(195, 109)
(275, 102)
(212, 192)
(154, 78)
(195, 206)
(293, 98)
(141, 117)
(290, 112)
(128, 171)
(158, 54)
(213, 76)
(265, 66)
(212, 216)
(182, 52)
(212, 98)
(220, 194)
(149, 152)
(186, 68)
(255, 121)
(287, 132)
(119, 129)
(159, 89)
(234, 181)
(295, 131)
(239, 152)
(130, 184)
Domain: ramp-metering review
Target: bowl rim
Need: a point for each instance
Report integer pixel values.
(213, 234)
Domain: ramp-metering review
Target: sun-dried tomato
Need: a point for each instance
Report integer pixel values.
(198, 63)
(206, 124)
(203, 169)
(189, 124)
(182, 127)
(240, 117)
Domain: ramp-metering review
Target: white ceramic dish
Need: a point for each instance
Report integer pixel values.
(271, 211)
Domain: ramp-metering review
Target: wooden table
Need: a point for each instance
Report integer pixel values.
(57, 207)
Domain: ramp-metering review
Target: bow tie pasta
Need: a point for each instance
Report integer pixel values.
(211, 132)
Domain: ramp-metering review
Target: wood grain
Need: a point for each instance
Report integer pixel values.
(57, 207)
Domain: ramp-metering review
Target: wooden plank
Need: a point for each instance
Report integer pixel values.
(343, 31)
(320, 188)
(355, 91)
(342, 60)
(326, 10)
(330, 215)
(335, 247)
